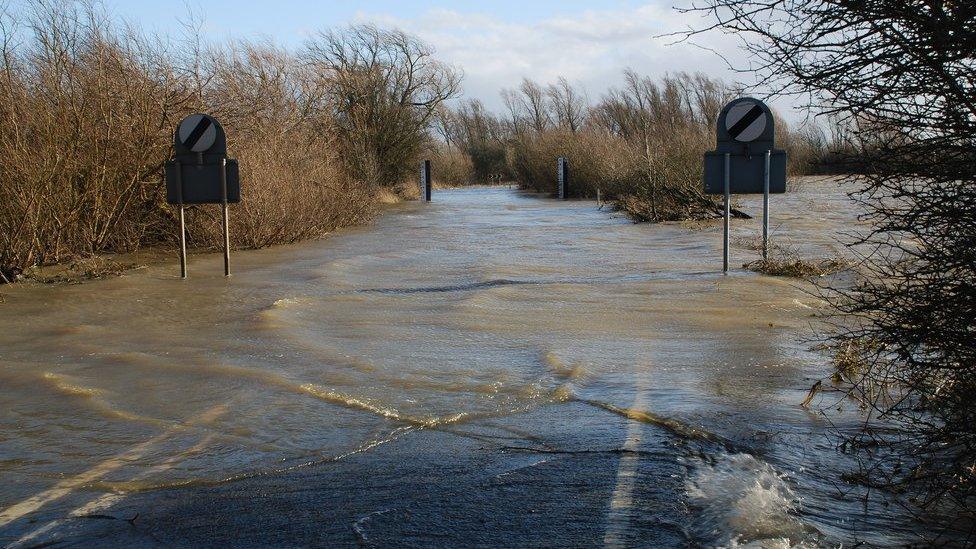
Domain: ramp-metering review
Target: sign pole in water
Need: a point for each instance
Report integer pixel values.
(765, 251)
(225, 217)
(179, 199)
(745, 162)
(201, 173)
(728, 211)
(182, 242)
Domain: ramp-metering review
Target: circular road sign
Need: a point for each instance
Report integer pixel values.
(197, 132)
(746, 121)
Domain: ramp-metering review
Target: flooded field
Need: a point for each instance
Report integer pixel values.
(489, 368)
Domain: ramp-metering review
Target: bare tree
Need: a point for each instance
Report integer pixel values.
(667, 124)
(534, 102)
(515, 116)
(568, 104)
(85, 111)
(386, 87)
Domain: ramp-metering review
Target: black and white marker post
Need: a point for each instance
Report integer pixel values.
(425, 181)
(745, 162)
(562, 165)
(201, 173)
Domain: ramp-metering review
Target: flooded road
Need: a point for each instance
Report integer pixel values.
(492, 368)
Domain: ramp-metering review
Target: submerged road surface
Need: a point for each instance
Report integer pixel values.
(491, 369)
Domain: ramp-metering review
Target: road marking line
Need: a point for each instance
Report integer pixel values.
(69, 485)
(618, 519)
(106, 501)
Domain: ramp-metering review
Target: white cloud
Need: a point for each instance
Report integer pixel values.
(591, 49)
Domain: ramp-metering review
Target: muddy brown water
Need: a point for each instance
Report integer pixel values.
(487, 305)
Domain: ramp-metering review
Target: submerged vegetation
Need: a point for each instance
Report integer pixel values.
(786, 261)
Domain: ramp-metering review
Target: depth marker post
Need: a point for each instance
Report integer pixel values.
(563, 176)
(425, 181)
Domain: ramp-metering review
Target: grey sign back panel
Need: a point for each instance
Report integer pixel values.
(746, 173)
(201, 183)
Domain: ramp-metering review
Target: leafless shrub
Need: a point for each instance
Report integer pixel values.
(479, 134)
(898, 78)
(641, 144)
(87, 110)
(85, 114)
(281, 132)
(595, 161)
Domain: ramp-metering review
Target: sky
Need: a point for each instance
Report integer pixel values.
(496, 44)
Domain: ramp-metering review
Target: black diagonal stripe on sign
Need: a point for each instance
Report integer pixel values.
(743, 123)
(197, 133)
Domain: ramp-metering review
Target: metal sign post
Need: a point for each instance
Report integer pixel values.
(745, 162)
(728, 214)
(179, 200)
(765, 250)
(224, 217)
(201, 173)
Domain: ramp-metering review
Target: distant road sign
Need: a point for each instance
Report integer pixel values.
(197, 132)
(746, 121)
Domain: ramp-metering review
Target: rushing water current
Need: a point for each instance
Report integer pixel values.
(548, 321)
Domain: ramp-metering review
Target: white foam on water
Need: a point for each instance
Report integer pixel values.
(743, 501)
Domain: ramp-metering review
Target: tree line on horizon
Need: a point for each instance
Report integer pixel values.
(641, 143)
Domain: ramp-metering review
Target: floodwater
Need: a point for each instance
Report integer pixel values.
(588, 362)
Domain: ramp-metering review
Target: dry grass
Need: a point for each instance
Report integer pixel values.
(797, 268)
(786, 261)
(849, 363)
